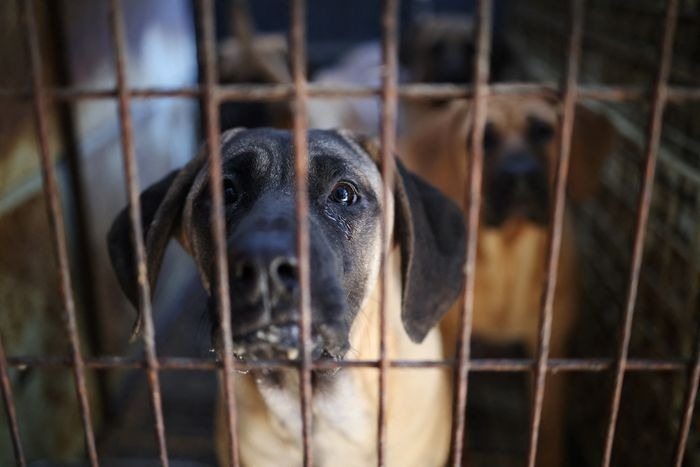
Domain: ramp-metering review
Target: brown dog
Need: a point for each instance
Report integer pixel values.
(520, 147)
(345, 204)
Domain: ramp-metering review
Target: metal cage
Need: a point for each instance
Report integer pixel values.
(211, 95)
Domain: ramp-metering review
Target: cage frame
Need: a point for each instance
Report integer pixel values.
(211, 94)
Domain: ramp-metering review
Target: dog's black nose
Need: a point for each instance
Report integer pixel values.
(263, 276)
(263, 267)
(521, 164)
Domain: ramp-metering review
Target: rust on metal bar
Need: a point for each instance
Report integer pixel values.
(694, 376)
(56, 222)
(83, 253)
(651, 153)
(410, 92)
(137, 240)
(473, 203)
(576, 14)
(210, 98)
(388, 143)
(9, 402)
(301, 168)
(506, 365)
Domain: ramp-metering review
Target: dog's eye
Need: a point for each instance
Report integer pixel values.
(230, 193)
(540, 132)
(344, 193)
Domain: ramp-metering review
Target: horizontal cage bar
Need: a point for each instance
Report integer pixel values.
(282, 92)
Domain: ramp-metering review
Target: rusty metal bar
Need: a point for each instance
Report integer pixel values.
(56, 223)
(694, 376)
(473, 203)
(651, 150)
(282, 92)
(388, 143)
(301, 169)
(137, 239)
(576, 19)
(83, 253)
(210, 98)
(9, 402)
(554, 365)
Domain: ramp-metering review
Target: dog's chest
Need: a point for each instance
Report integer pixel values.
(508, 282)
(510, 279)
(343, 425)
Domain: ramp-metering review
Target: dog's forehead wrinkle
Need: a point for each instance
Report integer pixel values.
(274, 155)
(257, 159)
(336, 145)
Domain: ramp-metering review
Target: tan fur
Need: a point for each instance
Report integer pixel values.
(345, 417)
(510, 262)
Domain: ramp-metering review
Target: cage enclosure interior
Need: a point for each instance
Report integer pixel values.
(509, 236)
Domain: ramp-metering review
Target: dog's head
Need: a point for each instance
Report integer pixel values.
(345, 203)
(520, 150)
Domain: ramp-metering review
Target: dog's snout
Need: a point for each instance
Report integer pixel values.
(264, 275)
(520, 164)
(283, 273)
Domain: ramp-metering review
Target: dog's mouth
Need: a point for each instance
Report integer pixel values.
(528, 201)
(282, 341)
(283, 337)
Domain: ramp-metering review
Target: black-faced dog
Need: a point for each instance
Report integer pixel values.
(345, 202)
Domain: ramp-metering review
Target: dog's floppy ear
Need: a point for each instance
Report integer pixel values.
(161, 212)
(161, 207)
(431, 233)
(592, 142)
(119, 241)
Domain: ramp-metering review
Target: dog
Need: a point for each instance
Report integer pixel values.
(520, 149)
(345, 203)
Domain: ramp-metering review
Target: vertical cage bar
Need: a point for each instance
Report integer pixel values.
(116, 17)
(570, 91)
(9, 403)
(56, 223)
(651, 154)
(301, 162)
(473, 203)
(388, 143)
(694, 377)
(85, 270)
(211, 104)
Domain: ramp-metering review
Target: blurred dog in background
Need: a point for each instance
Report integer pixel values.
(520, 150)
